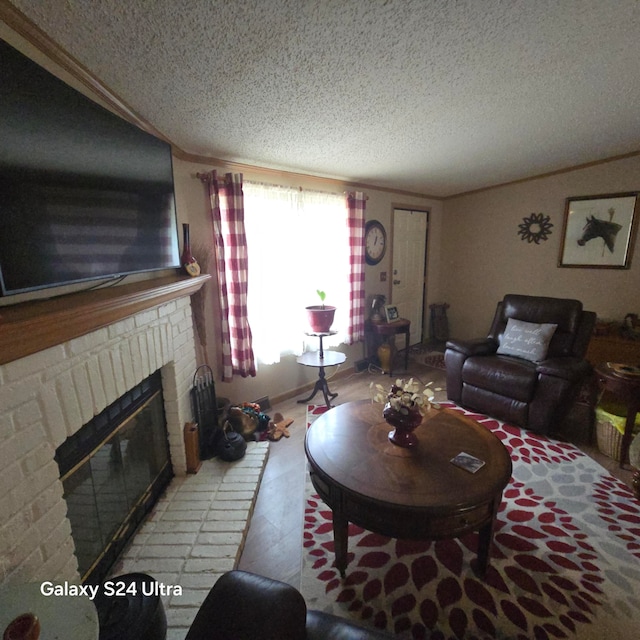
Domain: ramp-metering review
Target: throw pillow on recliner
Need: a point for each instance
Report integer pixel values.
(526, 340)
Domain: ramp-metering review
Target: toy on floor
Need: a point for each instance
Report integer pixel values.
(249, 421)
(279, 427)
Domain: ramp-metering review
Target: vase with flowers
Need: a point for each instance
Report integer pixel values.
(405, 407)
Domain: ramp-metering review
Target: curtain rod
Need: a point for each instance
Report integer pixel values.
(281, 186)
(286, 186)
(202, 176)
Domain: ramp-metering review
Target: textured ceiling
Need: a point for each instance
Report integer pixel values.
(431, 96)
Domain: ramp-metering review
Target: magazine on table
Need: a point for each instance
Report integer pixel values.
(467, 462)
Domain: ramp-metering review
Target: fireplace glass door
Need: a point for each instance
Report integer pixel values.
(110, 490)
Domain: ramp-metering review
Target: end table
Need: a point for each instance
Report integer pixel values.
(321, 359)
(386, 329)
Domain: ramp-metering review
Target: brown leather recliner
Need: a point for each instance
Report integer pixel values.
(246, 606)
(532, 394)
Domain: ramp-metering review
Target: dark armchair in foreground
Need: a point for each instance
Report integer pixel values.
(246, 606)
(529, 369)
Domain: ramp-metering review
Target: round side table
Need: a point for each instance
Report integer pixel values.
(321, 359)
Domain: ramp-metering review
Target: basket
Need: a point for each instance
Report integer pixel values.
(609, 431)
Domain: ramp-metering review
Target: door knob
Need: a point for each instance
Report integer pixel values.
(396, 282)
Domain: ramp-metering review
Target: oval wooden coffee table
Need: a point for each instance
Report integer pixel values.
(416, 493)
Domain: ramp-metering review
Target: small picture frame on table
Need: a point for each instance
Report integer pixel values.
(391, 312)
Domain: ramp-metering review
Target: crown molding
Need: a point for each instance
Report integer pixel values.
(548, 174)
(28, 30)
(238, 167)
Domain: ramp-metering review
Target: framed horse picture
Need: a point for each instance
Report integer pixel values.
(599, 231)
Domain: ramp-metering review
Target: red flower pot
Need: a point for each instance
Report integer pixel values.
(320, 318)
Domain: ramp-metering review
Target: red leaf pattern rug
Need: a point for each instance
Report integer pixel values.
(314, 411)
(565, 561)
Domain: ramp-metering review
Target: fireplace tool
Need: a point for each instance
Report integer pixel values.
(205, 411)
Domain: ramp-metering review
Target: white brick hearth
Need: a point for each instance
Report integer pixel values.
(48, 396)
(196, 533)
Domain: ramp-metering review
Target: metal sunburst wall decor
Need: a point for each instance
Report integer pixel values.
(534, 228)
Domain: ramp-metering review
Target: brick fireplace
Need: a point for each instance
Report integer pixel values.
(61, 363)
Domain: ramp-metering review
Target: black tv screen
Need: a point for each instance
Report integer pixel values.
(84, 194)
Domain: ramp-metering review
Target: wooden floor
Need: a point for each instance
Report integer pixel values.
(273, 546)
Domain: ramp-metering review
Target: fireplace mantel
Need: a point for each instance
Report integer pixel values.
(29, 327)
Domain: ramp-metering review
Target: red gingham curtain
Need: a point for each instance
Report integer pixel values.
(227, 214)
(356, 203)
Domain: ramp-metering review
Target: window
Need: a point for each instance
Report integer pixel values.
(297, 242)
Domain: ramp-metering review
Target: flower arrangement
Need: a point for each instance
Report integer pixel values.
(405, 397)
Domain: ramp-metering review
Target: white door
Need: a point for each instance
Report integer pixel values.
(409, 251)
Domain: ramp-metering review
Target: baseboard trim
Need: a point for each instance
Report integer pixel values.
(307, 387)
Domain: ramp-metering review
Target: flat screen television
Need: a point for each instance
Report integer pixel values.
(84, 194)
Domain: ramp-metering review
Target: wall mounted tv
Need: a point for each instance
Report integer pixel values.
(84, 194)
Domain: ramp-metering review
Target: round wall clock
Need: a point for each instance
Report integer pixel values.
(375, 242)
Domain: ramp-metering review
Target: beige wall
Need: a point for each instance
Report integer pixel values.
(484, 257)
(277, 379)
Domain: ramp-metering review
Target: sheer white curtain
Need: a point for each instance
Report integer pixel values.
(298, 242)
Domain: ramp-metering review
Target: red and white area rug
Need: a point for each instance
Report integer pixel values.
(565, 561)
(435, 360)
(314, 411)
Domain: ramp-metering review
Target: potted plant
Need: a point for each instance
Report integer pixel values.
(320, 316)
